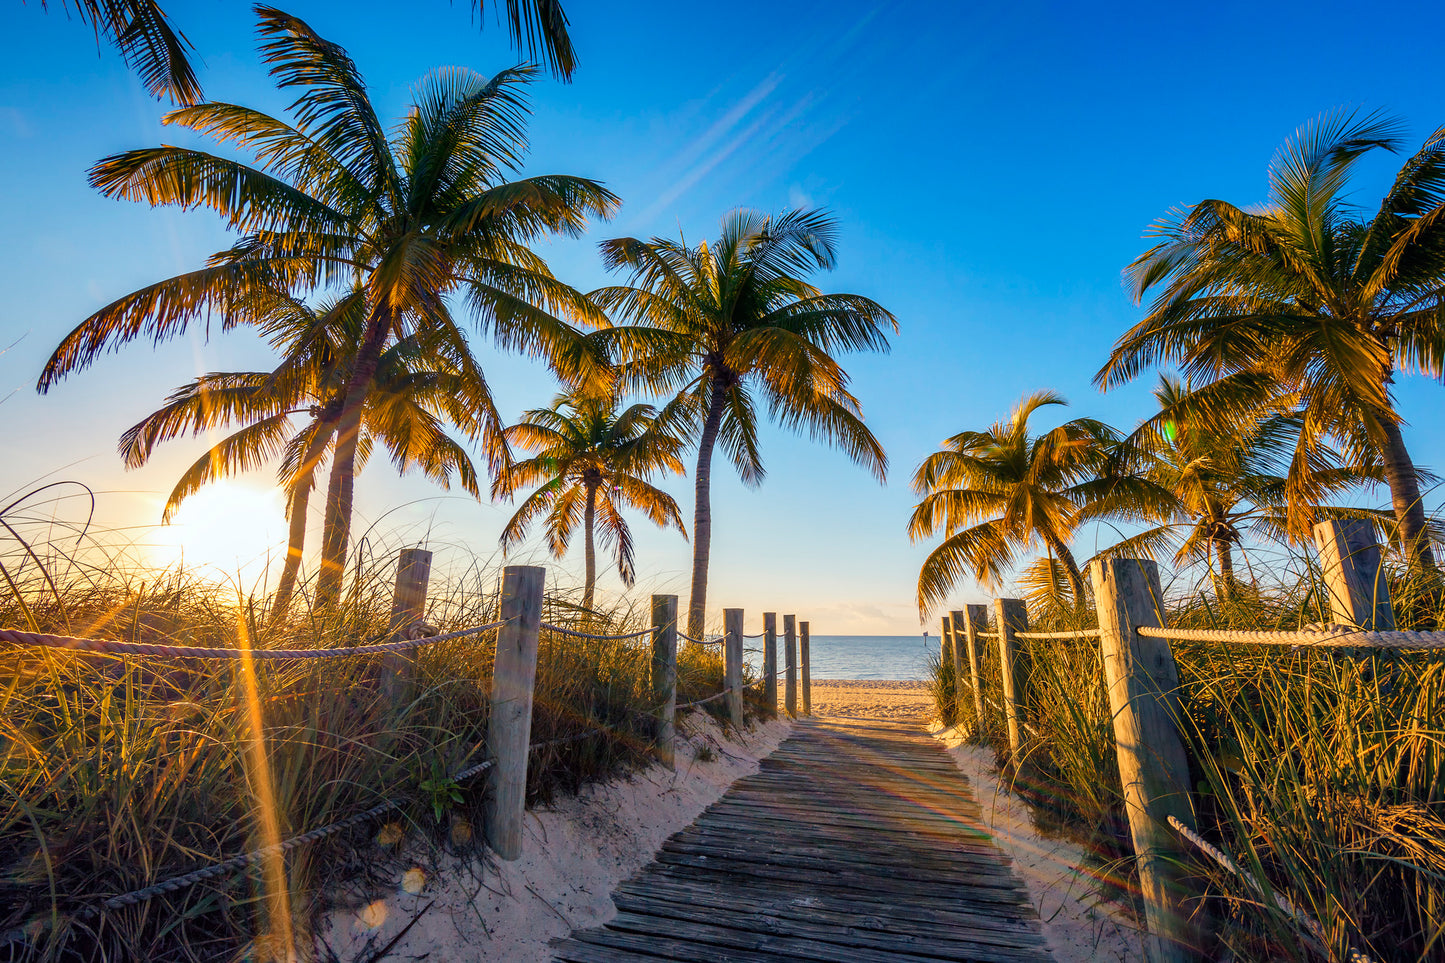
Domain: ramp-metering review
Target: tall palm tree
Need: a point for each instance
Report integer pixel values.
(413, 398)
(156, 51)
(1308, 302)
(592, 462)
(727, 325)
(417, 218)
(998, 492)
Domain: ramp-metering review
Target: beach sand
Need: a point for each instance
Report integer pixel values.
(901, 701)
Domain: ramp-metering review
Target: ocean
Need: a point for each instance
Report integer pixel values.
(862, 656)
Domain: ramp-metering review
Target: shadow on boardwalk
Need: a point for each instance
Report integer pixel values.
(856, 841)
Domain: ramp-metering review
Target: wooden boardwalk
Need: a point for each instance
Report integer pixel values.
(856, 842)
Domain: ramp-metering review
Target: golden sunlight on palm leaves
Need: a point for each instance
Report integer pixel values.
(1307, 305)
(590, 463)
(416, 218)
(727, 325)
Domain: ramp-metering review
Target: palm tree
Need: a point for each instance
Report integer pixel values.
(412, 399)
(591, 463)
(725, 326)
(1228, 478)
(416, 219)
(995, 493)
(155, 50)
(1309, 304)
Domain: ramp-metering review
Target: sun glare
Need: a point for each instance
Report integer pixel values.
(224, 531)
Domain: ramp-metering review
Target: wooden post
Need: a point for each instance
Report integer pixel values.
(975, 620)
(509, 730)
(733, 663)
(664, 675)
(408, 608)
(790, 658)
(807, 675)
(1350, 562)
(956, 633)
(770, 663)
(946, 648)
(1143, 685)
(1012, 616)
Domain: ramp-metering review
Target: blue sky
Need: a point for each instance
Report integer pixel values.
(992, 170)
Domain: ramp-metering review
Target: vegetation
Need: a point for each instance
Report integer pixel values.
(725, 325)
(1320, 769)
(158, 52)
(411, 218)
(122, 771)
(411, 400)
(590, 463)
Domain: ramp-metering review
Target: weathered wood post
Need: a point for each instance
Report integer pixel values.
(770, 663)
(956, 633)
(733, 663)
(664, 675)
(1143, 684)
(1350, 563)
(807, 673)
(946, 648)
(1012, 616)
(790, 659)
(975, 620)
(408, 608)
(509, 730)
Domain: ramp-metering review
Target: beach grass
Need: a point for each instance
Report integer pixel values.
(120, 771)
(1322, 772)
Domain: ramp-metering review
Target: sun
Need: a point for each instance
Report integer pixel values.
(224, 532)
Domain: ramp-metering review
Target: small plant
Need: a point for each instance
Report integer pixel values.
(441, 790)
(704, 753)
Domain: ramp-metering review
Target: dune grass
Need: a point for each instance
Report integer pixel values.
(121, 771)
(1323, 772)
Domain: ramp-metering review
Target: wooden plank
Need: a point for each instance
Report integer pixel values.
(851, 844)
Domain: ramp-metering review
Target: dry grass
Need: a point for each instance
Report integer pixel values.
(1323, 772)
(121, 771)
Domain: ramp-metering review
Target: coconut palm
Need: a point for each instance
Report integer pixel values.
(1229, 479)
(996, 493)
(1307, 302)
(418, 218)
(726, 326)
(590, 463)
(413, 398)
(156, 51)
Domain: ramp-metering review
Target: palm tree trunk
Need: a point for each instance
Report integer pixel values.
(300, 499)
(589, 522)
(1405, 497)
(702, 511)
(1071, 567)
(1226, 589)
(337, 530)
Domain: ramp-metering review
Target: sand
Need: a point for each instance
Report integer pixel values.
(902, 701)
(1078, 924)
(574, 853)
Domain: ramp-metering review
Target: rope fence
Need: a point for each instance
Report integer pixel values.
(573, 633)
(114, 647)
(1331, 637)
(1061, 636)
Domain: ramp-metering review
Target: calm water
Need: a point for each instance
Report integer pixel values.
(863, 656)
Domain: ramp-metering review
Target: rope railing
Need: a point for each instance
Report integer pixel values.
(115, 647)
(1310, 924)
(687, 638)
(596, 638)
(1330, 637)
(702, 702)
